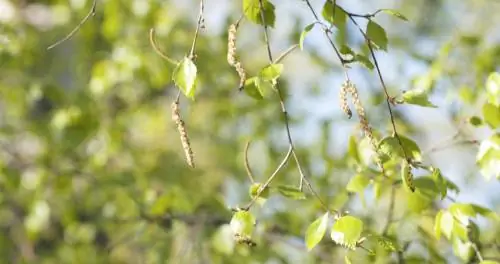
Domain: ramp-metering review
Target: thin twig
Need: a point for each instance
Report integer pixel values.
(271, 178)
(247, 165)
(478, 252)
(199, 24)
(287, 126)
(284, 54)
(91, 13)
(152, 40)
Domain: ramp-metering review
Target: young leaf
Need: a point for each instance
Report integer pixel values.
(488, 156)
(291, 192)
(394, 13)
(242, 224)
(377, 35)
(303, 35)
(437, 224)
(251, 9)
(271, 72)
(184, 77)
(252, 89)
(417, 97)
(491, 115)
(357, 183)
(316, 231)
(365, 61)
(254, 190)
(446, 224)
(346, 231)
(475, 121)
(493, 88)
(336, 17)
(407, 176)
(353, 149)
(390, 147)
(440, 182)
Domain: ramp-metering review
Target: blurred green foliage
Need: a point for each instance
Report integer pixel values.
(92, 169)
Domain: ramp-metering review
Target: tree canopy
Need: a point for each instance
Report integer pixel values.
(254, 131)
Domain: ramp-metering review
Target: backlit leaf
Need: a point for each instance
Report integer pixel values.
(377, 35)
(316, 231)
(346, 231)
(417, 97)
(291, 192)
(395, 13)
(184, 77)
(251, 9)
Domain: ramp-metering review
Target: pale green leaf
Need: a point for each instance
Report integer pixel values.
(463, 249)
(391, 147)
(242, 223)
(437, 224)
(251, 88)
(417, 97)
(271, 72)
(394, 13)
(184, 77)
(489, 262)
(488, 157)
(446, 224)
(346, 231)
(336, 17)
(303, 35)
(377, 35)
(491, 114)
(316, 231)
(251, 9)
(291, 192)
(493, 88)
(365, 61)
(358, 183)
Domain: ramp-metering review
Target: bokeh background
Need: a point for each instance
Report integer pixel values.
(91, 165)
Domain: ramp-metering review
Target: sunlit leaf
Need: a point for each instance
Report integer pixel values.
(346, 231)
(491, 115)
(358, 183)
(336, 17)
(184, 77)
(391, 147)
(251, 9)
(440, 182)
(417, 97)
(243, 223)
(291, 192)
(493, 88)
(304, 33)
(437, 224)
(463, 249)
(316, 231)
(377, 35)
(488, 157)
(271, 72)
(251, 88)
(394, 13)
(489, 262)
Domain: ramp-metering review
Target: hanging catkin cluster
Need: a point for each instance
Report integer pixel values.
(231, 54)
(349, 87)
(343, 100)
(181, 127)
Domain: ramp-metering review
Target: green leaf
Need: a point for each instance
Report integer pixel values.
(358, 183)
(463, 211)
(390, 147)
(387, 243)
(475, 121)
(316, 231)
(437, 224)
(251, 9)
(493, 88)
(463, 249)
(440, 182)
(491, 115)
(336, 17)
(489, 262)
(365, 61)
(184, 77)
(377, 35)
(303, 35)
(488, 157)
(346, 50)
(291, 192)
(394, 13)
(417, 97)
(242, 224)
(346, 231)
(446, 223)
(407, 176)
(353, 149)
(271, 72)
(253, 191)
(252, 89)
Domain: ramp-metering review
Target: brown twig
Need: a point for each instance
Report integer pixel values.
(91, 13)
(247, 165)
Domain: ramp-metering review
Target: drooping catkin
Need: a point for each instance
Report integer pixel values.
(231, 54)
(181, 127)
(365, 126)
(343, 100)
